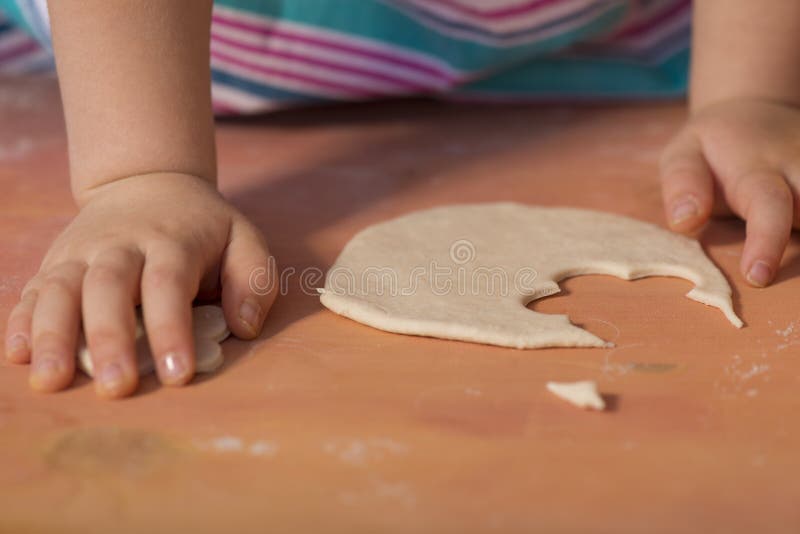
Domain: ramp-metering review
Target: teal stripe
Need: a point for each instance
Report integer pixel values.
(259, 89)
(573, 77)
(383, 23)
(11, 10)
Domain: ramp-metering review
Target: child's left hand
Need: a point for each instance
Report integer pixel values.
(740, 156)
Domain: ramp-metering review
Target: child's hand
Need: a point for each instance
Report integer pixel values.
(158, 240)
(743, 156)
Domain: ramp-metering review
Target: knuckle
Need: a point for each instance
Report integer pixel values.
(31, 290)
(682, 167)
(51, 340)
(175, 250)
(105, 274)
(68, 268)
(161, 276)
(776, 193)
(120, 257)
(105, 338)
(165, 336)
(764, 187)
(58, 282)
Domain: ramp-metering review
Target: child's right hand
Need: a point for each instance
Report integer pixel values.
(159, 240)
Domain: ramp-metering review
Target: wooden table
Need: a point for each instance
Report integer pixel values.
(326, 425)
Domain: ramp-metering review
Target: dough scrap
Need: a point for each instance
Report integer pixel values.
(500, 257)
(210, 320)
(582, 394)
(208, 355)
(208, 328)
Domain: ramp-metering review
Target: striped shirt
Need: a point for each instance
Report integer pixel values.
(268, 54)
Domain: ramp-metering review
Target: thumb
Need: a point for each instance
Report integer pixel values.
(687, 184)
(249, 279)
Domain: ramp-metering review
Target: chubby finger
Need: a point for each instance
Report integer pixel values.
(249, 280)
(170, 279)
(54, 327)
(764, 200)
(18, 328)
(110, 288)
(687, 184)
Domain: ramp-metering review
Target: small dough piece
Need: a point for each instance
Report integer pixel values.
(210, 321)
(581, 394)
(467, 272)
(208, 328)
(209, 355)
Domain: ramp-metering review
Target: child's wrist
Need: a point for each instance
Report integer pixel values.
(85, 193)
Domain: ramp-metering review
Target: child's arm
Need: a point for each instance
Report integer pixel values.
(152, 228)
(135, 82)
(741, 147)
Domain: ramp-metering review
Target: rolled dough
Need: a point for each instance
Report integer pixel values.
(466, 272)
(208, 328)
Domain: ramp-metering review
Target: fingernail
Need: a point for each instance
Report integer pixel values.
(111, 377)
(683, 209)
(249, 313)
(17, 345)
(759, 274)
(175, 366)
(45, 369)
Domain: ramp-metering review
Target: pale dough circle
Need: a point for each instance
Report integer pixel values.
(501, 257)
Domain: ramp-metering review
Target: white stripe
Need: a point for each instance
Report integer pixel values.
(41, 6)
(314, 51)
(35, 13)
(278, 81)
(505, 24)
(357, 81)
(241, 101)
(362, 43)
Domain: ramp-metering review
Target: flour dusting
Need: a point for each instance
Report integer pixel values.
(360, 452)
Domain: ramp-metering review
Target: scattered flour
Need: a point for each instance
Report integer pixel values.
(786, 331)
(227, 444)
(263, 448)
(398, 493)
(233, 444)
(738, 376)
(790, 335)
(360, 452)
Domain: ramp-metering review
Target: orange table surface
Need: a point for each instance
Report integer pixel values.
(326, 425)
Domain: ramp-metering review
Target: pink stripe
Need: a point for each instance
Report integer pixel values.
(352, 90)
(320, 63)
(222, 108)
(502, 12)
(269, 29)
(648, 24)
(19, 50)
